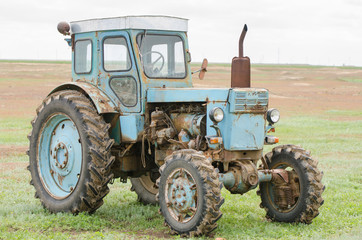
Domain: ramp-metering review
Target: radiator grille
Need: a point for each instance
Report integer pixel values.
(249, 101)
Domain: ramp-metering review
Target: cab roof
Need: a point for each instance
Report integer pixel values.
(165, 23)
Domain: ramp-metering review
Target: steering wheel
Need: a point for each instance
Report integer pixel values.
(150, 66)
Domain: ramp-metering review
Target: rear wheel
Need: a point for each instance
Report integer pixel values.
(189, 193)
(145, 187)
(69, 154)
(299, 198)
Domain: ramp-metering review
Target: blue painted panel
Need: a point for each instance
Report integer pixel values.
(131, 127)
(225, 107)
(243, 131)
(105, 77)
(248, 99)
(93, 75)
(60, 156)
(116, 133)
(187, 95)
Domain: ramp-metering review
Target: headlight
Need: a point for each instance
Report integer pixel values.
(273, 115)
(216, 114)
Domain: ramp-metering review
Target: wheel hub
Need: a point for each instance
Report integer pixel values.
(285, 188)
(181, 195)
(60, 156)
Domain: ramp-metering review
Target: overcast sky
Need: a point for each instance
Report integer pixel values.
(326, 32)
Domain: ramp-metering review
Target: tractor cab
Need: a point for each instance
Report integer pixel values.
(125, 56)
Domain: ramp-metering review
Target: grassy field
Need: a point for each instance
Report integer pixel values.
(332, 132)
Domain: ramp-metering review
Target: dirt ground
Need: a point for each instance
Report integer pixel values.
(24, 85)
(293, 90)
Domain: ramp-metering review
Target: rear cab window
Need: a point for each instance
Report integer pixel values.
(83, 56)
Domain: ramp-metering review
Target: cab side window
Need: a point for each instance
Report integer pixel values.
(116, 55)
(126, 90)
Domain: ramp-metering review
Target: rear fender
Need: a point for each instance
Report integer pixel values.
(100, 100)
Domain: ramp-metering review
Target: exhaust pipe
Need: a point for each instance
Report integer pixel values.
(240, 67)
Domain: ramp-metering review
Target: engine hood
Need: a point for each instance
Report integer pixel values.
(158, 95)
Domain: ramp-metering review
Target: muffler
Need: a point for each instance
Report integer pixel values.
(240, 67)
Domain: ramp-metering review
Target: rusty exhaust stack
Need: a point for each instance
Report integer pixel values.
(240, 67)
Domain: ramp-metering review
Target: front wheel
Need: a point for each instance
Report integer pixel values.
(299, 197)
(189, 193)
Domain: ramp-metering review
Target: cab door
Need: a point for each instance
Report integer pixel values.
(118, 73)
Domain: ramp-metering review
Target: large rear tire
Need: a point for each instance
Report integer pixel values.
(69, 154)
(145, 187)
(189, 193)
(304, 191)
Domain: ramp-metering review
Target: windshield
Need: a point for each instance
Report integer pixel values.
(162, 56)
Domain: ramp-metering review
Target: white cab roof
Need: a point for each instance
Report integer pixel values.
(165, 23)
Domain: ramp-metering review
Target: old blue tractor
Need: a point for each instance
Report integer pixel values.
(131, 112)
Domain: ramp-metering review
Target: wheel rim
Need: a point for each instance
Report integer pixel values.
(59, 156)
(148, 184)
(294, 179)
(181, 195)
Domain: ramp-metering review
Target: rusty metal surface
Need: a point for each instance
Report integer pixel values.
(242, 177)
(64, 28)
(203, 69)
(99, 99)
(286, 188)
(241, 41)
(240, 67)
(195, 124)
(240, 72)
(161, 129)
(238, 155)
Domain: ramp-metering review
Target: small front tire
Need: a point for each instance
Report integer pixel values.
(304, 191)
(189, 193)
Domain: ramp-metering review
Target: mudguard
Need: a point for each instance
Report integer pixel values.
(100, 100)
